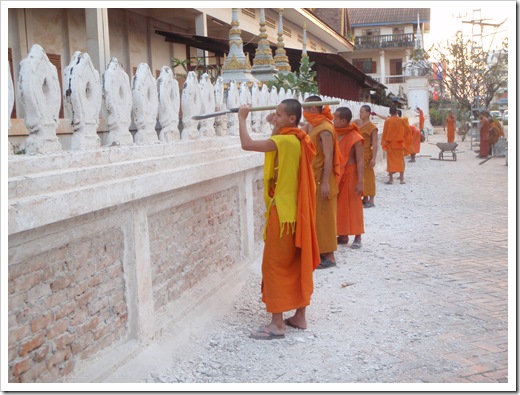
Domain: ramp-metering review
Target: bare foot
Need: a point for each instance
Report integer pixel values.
(389, 182)
(296, 323)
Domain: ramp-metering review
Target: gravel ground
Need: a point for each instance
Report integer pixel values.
(382, 315)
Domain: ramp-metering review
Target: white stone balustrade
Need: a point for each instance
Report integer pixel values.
(82, 97)
(40, 94)
(169, 105)
(156, 105)
(117, 103)
(10, 106)
(144, 105)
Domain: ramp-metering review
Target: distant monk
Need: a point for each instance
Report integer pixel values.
(421, 119)
(450, 125)
(369, 132)
(415, 141)
(396, 131)
(484, 134)
(350, 206)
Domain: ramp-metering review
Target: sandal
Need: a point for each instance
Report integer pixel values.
(342, 239)
(356, 244)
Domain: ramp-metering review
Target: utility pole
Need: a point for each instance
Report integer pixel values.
(479, 64)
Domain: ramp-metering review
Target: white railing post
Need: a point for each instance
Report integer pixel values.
(40, 94)
(169, 105)
(233, 101)
(82, 96)
(191, 106)
(207, 105)
(221, 123)
(144, 105)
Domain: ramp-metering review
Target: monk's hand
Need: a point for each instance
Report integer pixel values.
(270, 117)
(359, 189)
(243, 111)
(325, 190)
(373, 162)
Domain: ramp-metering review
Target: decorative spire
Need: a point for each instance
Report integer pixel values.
(236, 66)
(418, 38)
(280, 58)
(263, 64)
(304, 50)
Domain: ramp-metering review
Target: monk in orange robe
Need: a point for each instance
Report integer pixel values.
(414, 142)
(291, 247)
(396, 134)
(327, 170)
(484, 134)
(421, 119)
(450, 125)
(350, 204)
(370, 135)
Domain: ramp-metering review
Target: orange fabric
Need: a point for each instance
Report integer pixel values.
(325, 118)
(326, 208)
(395, 160)
(450, 126)
(306, 213)
(283, 270)
(395, 132)
(369, 176)
(484, 137)
(350, 205)
(416, 139)
(421, 119)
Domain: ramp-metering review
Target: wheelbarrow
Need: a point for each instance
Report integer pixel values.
(447, 148)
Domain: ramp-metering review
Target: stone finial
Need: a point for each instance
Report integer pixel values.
(263, 63)
(145, 103)
(82, 98)
(236, 65)
(117, 104)
(221, 126)
(40, 94)
(191, 105)
(169, 105)
(281, 61)
(233, 101)
(207, 101)
(10, 107)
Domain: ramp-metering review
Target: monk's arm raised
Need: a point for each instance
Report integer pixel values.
(248, 144)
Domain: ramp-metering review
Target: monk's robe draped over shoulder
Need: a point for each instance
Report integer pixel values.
(450, 126)
(291, 248)
(350, 219)
(325, 208)
(484, 137)
(369, 177)
(416, 139)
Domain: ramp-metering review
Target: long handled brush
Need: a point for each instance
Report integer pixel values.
(262, 108)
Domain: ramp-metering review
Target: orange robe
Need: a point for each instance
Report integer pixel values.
(421, 119)
(393, 141)
(369, 177)
(325, 208)
(416, 139)
(350, 205)
(484, 137)
(450, 126)
(291, 247)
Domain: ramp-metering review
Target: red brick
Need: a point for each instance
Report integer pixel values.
(21, 367)
(64, 340)
(41, 353)
(66, 367)
(59, 328)
(56, 299)
(58, 357)
(61, 283)
(18, 333)
(79, 317)
(41, 322)
(32, 344)
(64, 310)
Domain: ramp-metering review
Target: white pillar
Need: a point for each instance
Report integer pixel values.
(382, 72)
(201, 29)
(98, 43)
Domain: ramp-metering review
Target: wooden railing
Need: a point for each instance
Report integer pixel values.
(402, 40)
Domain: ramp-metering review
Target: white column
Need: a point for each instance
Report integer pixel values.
(201, 29)
(98, 43)
(382, 72)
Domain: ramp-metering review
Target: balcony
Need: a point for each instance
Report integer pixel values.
(403, 40)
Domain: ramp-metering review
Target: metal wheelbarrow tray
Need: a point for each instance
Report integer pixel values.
(447, 148)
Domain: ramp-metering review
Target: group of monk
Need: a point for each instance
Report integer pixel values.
(314, 180)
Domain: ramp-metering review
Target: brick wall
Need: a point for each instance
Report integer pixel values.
(65, 305)
(191, 241)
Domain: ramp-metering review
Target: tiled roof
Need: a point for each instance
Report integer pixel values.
(383, 16)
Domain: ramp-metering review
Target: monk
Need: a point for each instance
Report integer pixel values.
(421, 119)
(350, 205)
(291, 248)
(415, 142)
(484, 134)
(327, 170)
(396, 132)
(450, 125)
(369, 132)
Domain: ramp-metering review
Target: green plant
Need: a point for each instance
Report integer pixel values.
(302, 81)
